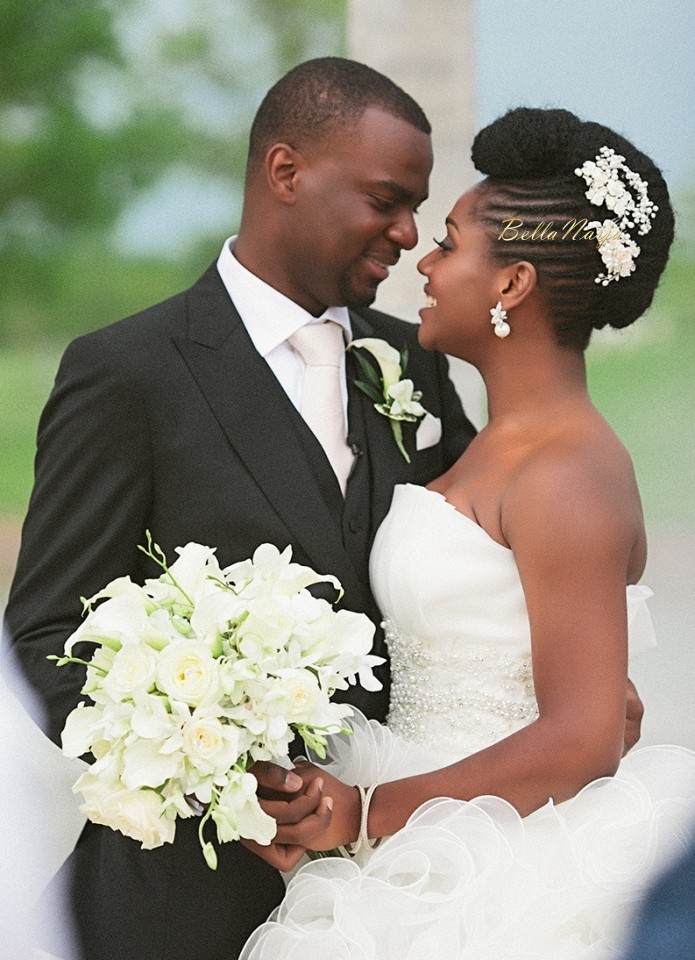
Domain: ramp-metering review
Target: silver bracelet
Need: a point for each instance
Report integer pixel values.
(363, 837)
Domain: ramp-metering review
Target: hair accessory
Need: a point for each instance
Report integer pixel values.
(632, 209)
(363, 838)
(499, 318)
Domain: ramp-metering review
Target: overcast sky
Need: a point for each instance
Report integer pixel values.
(627, 63)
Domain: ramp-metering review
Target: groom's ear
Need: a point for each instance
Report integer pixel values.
(283, 165)
(517, 282)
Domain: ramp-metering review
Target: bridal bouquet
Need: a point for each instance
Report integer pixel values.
(198, 674)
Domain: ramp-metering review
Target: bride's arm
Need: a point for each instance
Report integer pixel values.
(575, 528)
(576, 532)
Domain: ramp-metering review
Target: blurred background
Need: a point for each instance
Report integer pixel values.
(123, 131)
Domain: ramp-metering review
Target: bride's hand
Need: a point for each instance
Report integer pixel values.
(634, 711)
(344, 826)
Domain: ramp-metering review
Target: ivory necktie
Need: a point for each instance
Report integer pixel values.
(321, 347)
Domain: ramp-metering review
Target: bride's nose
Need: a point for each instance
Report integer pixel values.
(424, 264)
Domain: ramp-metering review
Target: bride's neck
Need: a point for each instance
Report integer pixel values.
(524, 389)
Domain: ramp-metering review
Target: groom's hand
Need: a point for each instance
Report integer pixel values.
(300, 810)
(634, 711)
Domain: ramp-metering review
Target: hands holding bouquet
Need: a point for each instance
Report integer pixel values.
(196, 676)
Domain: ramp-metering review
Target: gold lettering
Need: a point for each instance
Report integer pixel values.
(576, 225)
(603, 235)
(544, 228)
(512, 224)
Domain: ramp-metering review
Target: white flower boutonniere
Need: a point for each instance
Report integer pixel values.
(394, 397)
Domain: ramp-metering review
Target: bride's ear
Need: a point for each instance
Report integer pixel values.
(517, 282)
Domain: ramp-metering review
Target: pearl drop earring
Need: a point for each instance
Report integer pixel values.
(499, 319)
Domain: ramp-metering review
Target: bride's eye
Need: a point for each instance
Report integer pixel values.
(444, 244)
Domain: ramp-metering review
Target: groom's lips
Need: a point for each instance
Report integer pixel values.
(380, 264)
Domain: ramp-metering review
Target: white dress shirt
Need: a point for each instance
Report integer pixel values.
(270, 318)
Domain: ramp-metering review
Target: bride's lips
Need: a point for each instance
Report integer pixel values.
(429, 302)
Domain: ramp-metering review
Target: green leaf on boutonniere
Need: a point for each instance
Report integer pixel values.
(394, 397)
(371, 391)
(370, 372)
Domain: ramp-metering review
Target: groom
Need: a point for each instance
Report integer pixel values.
(187, 420)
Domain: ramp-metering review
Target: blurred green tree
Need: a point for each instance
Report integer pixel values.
(123, 129)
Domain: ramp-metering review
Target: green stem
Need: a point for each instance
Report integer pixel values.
(161, 561)
(61, 661)
(398, 436)
(206, 846)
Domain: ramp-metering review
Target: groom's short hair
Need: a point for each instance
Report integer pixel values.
(316, 99)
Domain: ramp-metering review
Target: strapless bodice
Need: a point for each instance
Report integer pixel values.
(457, 626)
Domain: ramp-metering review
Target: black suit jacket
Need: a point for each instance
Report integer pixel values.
(171, 421)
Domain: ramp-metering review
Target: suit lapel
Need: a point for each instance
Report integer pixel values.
(249, 405)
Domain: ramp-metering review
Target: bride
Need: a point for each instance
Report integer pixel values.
(508, 590)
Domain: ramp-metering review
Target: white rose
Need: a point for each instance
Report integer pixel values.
(139, 814)
(188, 672)
(133, 668)
(301, 693)
(211, 746)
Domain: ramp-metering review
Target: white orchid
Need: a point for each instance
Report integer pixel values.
(393, 396)
(238, 813)
(405, 403)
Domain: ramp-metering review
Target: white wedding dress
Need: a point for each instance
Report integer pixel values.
(473, 879)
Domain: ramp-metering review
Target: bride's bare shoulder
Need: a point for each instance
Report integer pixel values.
(579, 483)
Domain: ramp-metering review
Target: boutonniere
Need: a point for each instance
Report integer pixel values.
(394, 397)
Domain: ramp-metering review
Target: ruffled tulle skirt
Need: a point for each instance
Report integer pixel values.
(474, 880)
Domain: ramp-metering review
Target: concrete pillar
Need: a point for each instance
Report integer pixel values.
(429, 50)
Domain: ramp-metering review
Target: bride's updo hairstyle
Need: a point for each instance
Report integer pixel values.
(529, 157)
